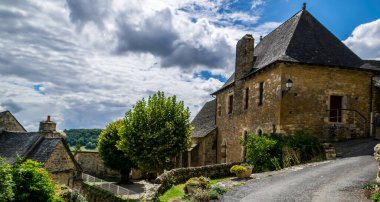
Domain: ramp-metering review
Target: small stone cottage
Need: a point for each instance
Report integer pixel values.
(298, 77)
(45, 146)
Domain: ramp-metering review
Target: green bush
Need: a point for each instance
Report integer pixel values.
(6, 181)
(201, 195)
(369, 186)
(216, 191)
(32, 183)
(260, 151)
(238, 169)
(276, 151)
(375, 197)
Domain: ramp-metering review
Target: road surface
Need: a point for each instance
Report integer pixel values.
(336, 180)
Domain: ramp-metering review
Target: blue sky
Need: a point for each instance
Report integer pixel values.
(86, 62)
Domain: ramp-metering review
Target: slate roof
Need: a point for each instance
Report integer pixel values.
(204, 121)
(13, 144)
(302, 39)
(373, 65)
(42, 151)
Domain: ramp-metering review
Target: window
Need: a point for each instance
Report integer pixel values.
(246, 98)
(244, 150)
(219, 110)
(261, 93)
(230, 103)
(335, 110)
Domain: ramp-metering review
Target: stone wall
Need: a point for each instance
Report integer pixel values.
(304, 107)
(92, 164)
(60, 166)
(181, 175)
(9, 123)
(205, 151)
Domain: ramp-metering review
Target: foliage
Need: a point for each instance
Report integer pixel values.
(375, 197)
(259, 151)
(110, 154)
(6, 181)
(216, 191)
(276, 151)
(155, 131)
(32, 183)
(85, 137)
(198, 182)
(369, 186)
(238, 169)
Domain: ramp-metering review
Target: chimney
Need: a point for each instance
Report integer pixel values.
(47, 126)
(244, 56)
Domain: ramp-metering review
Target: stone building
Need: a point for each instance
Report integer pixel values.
(45, 146)
(298, 77)
(203, 138)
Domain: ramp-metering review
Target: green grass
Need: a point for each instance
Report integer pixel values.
(172, 193)
(177, 190)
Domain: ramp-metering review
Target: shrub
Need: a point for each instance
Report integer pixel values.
(6, 181)
(369, 186)
(33, 183)
(260, 151)
(197, 182)
(216, 191)
(375, 197)
(307, 145)
(238, 169)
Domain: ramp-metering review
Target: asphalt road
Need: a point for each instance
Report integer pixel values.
(337, 180)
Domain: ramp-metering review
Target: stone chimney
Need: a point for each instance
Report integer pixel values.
(244, 56)
(48, 128)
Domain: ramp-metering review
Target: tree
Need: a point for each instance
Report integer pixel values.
(155, 131)
(6, 181)
(32, 183)
(111, 155)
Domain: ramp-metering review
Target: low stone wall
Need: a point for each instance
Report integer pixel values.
(92, 164)
(96, 194)
(181, 175)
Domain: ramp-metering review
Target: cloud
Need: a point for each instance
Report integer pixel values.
(84, 11)
(365, 40)
(86, 63)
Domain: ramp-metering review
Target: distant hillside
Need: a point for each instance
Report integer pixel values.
(87, 138)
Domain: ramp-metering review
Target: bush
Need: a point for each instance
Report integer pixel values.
(369, 186)
(375, 197)
(6, 181)
(198, 182)
(276, 151)
(201, 195)
(216, 191)
(259, 152)
(32, 183)
(238, 169)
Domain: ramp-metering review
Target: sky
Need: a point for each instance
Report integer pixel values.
(86, 62)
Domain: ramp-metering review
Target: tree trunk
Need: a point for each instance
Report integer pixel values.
(124, 179)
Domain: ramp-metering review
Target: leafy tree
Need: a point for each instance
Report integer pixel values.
(33, 183)
(111, 155)
(82, 136)
(6, 181)
(155, 131)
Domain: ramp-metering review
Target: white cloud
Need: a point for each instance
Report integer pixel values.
(365, 40)
(60, 59)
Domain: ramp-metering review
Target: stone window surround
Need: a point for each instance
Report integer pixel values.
(344, 105)
(228, 109)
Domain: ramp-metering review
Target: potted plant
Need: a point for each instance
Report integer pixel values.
(241, 171)
(196, 183)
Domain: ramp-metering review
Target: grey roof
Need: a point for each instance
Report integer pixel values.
(373, 65)
(42, 152)
(302, 39)
(204, 121)
(13, 144)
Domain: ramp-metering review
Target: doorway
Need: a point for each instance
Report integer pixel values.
(335, 114)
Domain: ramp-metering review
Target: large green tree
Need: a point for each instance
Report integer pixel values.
(111, 155)
(155, 131)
